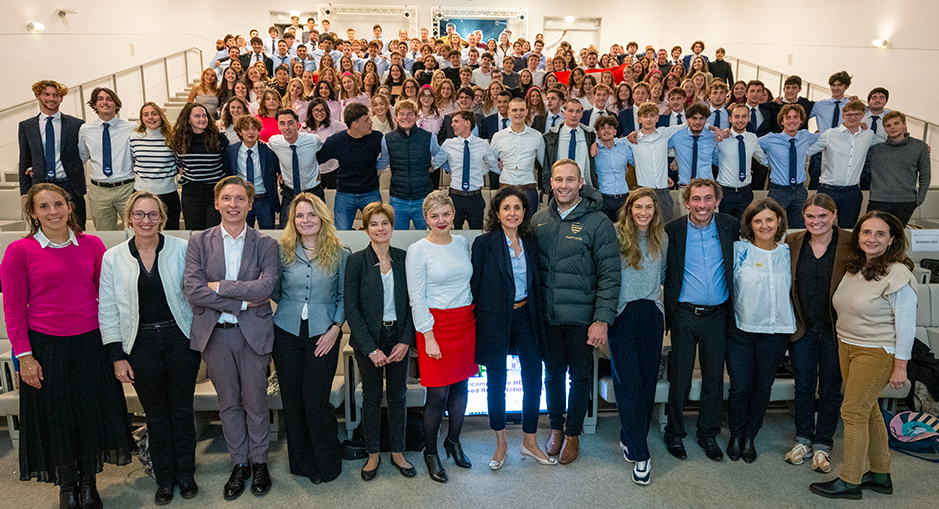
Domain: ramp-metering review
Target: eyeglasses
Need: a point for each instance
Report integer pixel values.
(139, 215)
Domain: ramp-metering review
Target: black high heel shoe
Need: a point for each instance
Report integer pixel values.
(456, 450)
(69, 497)
(435, 468)
(88, 491)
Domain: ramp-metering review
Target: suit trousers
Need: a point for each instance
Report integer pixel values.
(198, 205)
(469, 209)
(752, 360)
(866, 372)
(666, 205)
(567, 349)
(736, 200)
(305, 383)
(707, 333)
(848, 202)
(78, 202)
(902, 210)
(239, 375)
(390, 379)
(107, 204)
(522, 340)
(791, 199)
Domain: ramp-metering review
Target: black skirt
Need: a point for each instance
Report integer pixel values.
(78, 420)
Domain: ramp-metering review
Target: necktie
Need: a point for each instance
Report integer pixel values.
(50, 150)
(717, 119)
(572, 149)
(466, 165)
(694, 156)
(679, 119)
(753, 125)
(874, 123)
(554, 119)
(792, 161)
(106, 150)
(835, 115)
(505, 121)
(742, 154)
(297, 187)
(249, 167)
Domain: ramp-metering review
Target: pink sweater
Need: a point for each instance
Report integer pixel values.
(52, 291)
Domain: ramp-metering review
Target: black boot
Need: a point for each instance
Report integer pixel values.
(456, 450)
(68, 497)
(749, 451)
(435, 468)
(88, 492)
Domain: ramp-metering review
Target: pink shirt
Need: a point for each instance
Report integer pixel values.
(50, 290)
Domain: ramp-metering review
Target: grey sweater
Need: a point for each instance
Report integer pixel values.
(646, 283)
(896, 167)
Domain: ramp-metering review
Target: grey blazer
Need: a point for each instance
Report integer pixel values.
(304, 282)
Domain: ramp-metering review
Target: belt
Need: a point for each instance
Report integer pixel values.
(226, 325)
(839, 188)
(459, 192)
(615, 196)
(520, 304)
(785, 186)
(737, 189)
(388, 323)
(310, 190)
(157, 325)
(523, 186)
(700, 310)
(111, 184)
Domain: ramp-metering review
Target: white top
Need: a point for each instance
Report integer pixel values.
(904, 300)
(90, 139)
(651, 156)
(518, 153)
(155, 166)
(843, 154)
(482, 160)
(307, 146)
(388, 289)
(582, 152)
(482, 79)
(762, 280)
(57, 127)
(729, 159)
(234, 248)
(438, 278)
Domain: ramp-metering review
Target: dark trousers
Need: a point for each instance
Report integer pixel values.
(635, 351)
(760, 175)
(816, 367)
(612, 203)
(286, 196)
(392, 379)
(262, 211)
(523, 341)
(707, 333)
(469, 209)
(78, 202)
(305, 383)
(736, 200)
(847, 200)
(165, 371)
(198, 206)
(791, 199)
(752, 360)
(815, 170)
(173, 210)
(902, 210)
(531, 192)
(493, 180)
(567, 349)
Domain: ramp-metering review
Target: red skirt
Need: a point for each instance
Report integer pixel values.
(455, 333)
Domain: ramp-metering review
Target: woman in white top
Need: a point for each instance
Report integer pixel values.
(439, 271)
(764, 317)
(155, 167)
(382, 114)
(295, 99)
(504, 49)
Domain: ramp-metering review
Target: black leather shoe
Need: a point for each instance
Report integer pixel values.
(69, 497)
(456, 450)
(164, 495)
(749, 451)
(734, 448)
(236, 483)
(836, 488)
(88, 493)
(261, 482)
(368, 475)
(711, 449)
(435, 468)
(405, 471)
(676, 448)
(868, 482)
(315, 479)
(188, 488)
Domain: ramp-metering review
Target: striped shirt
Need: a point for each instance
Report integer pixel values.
(199, 164)
(154, 162)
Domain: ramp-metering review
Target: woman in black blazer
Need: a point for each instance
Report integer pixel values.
(507, 298)
(379, 317)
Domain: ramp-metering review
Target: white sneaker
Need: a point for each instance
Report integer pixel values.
(641, 472)
(626, 453)
(799, 453)
(821, 463)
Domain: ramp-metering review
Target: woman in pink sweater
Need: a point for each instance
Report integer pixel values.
(73, 416)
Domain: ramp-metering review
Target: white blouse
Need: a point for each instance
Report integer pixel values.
(762, 280)
(438, 278)
(389, 314)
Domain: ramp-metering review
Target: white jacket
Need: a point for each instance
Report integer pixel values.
(118, 302)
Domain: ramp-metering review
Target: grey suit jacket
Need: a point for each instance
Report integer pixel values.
(205, 262)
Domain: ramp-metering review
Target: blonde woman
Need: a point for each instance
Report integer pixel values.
(382, 115)
(295, 99)
(307, 334)
(350, 92)
(446, 98)
(155, 167)
(206, 92)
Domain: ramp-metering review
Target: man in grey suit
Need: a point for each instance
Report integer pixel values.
(230, 274)
(54, 159)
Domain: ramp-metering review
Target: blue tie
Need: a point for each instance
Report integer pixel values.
(753, 126)
(466, 165)
(554, 119)
(792, 161)
(249, 167)
(572, 149)
(835, 115)
(297, 187)
(874, 123)
(742, 153)
(679, 119)
(505, 122)
(106, 150)
(694, 156)
(50, 150)
(717, 119)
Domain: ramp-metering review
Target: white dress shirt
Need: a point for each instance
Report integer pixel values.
(90, 146)
(762, 280)
(596, 113)
(44, 242)
(243, 167)
(843, 154)
(482, 160)
(389, 313)
(234, 247)
(651, 156)
(582, 151)
(557, 118)
(518, 153)
(57, 126)
(307, 147)
(728, 158)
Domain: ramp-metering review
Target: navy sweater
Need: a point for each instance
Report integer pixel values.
(357, 158)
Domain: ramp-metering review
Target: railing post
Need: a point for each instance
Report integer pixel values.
(186, 62)
(166, 78)
(780, 91)
(143, 84)
(81, 100)
(925, 131)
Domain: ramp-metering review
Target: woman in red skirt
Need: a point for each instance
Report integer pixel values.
(439, 271)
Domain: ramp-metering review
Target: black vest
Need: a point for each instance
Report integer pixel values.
(410, 163)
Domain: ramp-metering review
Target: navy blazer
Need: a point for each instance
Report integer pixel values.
(586, 116)
(490, 126)
(268, 62)
(663, 120)
(32, 154)
(625, 123)
(270, 167)
(687, 60)
(769, 111)
(493, 287)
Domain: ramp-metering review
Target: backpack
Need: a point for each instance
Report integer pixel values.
(923, 374)
(914, 433)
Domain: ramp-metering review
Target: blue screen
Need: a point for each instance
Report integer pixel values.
(491, 28)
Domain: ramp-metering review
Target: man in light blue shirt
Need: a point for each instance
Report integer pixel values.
(785, 155)
(827, 115)
(734, 159)
(694, 147)
(374, 49)
(612, 157)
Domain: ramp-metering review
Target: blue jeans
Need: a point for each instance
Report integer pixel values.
(347, 204)
(752, 360)
(407, 212)
(815, 359)
(791, 199)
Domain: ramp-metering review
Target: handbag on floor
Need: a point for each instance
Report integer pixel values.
(914, 433)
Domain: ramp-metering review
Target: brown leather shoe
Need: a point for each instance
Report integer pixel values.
(553, 446)
(570, 450)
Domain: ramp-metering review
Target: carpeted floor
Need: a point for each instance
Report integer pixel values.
(600, 478)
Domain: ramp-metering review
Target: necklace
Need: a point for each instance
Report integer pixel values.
(308, 248)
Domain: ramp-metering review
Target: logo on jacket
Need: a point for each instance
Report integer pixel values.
(576, 227)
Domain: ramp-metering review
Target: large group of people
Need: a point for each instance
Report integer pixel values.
(548, 282)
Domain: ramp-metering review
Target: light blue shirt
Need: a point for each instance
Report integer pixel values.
(611, 166)
(519, 270)
(824, 110)
(380, 63)
(704, 282)
(683, 143)
(724, 120)
(776, 147)
(285, 60)
(242, 169)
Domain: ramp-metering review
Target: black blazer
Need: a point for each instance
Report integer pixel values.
(493, 287)
(446, 130)
(364, 301)
(269, 169)
(490, 126)
(728, 229)
(540, 122)
(625, 122)
(769, 125)
(585, 118)
(32, 154)
(268, 63)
